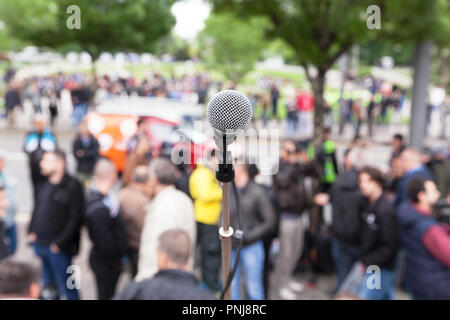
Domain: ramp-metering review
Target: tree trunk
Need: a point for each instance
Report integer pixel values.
(318, 84)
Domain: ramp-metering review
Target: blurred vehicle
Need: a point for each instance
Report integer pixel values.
(168, 126)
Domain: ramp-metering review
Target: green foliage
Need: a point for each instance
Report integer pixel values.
(106, 25)
(173, 45)
(232, 45)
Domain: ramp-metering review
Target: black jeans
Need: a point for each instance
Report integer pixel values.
(210, 258)
(106, 276)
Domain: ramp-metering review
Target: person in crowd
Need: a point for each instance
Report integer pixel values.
(440, 167)
(106, 229)
(19, 279)
(348, 204)
(53, 106)
(133, 200)
(85, 150)
(37, 142)
(378, 246)
(258, 219)
(33, 93)
(426, 242)
(141, 132)
(207, 196)
(398, 145)
(80, 100)
(9, 218)
(169, 209)
(305, 104)
(12, 100)
(4, 245)
(174, 279)
(274, 96)
(54, 230)
(292, 117)
(292, 200)
(325, 157)
(412, 167)
(140, 156)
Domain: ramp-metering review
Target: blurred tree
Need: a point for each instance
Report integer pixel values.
(173, 45)
(319, 31)
(232, 45)
(106, 25)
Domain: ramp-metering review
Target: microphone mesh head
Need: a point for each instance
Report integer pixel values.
(229, 110)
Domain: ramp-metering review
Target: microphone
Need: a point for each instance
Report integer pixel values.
(228, 111)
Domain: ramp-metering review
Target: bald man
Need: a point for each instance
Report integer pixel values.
(412, 167)
(174, 280)
(106, 229)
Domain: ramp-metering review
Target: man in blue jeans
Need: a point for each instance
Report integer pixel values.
(258, 219)
(54, 229)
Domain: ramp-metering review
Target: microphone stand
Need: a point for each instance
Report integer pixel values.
(225, 174)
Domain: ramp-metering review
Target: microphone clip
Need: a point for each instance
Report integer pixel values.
(225, 169)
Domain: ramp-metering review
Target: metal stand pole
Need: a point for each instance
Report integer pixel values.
(226, 232)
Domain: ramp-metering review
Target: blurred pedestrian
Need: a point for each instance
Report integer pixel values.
(258, 219)
(207, 195)
(425, 241)
(80, 100)
(9, 218)
(378, 236)
(4, 245)
(55, 224)
(139, 156)
(12, 100)
(106, 229)
(19, 279)
(38, 141)
(347, 204)
(412, 167)
(292, 200)
(86, 152)
(168, 209)
(133, 200)
(174, 279)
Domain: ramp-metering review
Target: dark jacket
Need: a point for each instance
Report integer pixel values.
(86, 162)
(289, 192)
(258, 214)
(106, 229)
(425, 276)
(65, 206)
(4, 246)
(348, 203)
(166, 285)
(379, 234)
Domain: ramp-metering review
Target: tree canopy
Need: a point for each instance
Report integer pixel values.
(232, 45)
(106, 25)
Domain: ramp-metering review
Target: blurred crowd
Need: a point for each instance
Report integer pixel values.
(366, 100)
(159, 222)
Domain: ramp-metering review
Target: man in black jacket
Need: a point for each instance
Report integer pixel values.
(378, 236)
(85, 150)
(258, 219)
(106, 229)
(55, 224)
(174, 281)
(348, 204)
(291, 197)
